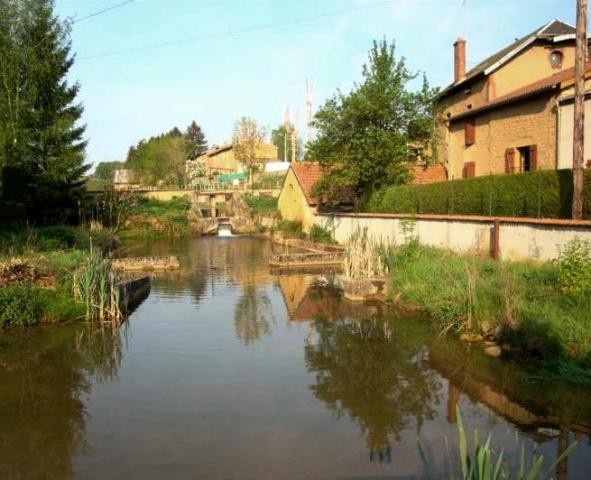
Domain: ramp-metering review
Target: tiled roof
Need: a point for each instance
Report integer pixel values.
(307, 174)
(553, 29)
(547, 83)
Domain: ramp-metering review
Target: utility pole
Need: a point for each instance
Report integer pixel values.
(309, 102)
(579, 115)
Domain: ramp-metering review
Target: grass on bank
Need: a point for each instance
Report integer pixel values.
(522, 304)
(261, 204)
(152, 218)
(49, 254)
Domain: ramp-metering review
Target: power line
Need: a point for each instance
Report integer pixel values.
(250, 29)
(100, 12)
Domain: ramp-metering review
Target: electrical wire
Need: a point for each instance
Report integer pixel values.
(239, 31)
(100, 12)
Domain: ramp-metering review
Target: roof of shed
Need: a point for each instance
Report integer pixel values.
(307, 174)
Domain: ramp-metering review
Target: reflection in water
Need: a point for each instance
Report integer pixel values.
(181, 393)
(44, 377)
(253, 314)
(380, 378)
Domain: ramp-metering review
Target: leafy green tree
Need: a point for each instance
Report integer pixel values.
(195, 141)
(278, 138)
(374, 134)
(159, 161)
(104, 171)
(39, 112)
(247, 138)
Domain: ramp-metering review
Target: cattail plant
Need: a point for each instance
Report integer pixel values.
(365, 256)
(94, 284)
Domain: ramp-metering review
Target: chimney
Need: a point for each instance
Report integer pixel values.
(459, 60)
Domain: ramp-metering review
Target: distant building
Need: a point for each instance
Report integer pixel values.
(221, 159)
(513, 112)
(124, 179)
(296, 202)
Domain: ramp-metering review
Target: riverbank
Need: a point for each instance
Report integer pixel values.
(36, 273)
(520, 305)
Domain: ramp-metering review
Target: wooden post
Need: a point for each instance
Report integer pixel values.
(496, 249)
(579, 115)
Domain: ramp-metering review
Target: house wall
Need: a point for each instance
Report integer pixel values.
(530, 122)
(292, 203)
(226, 162)
(531, 65)
(519, 239)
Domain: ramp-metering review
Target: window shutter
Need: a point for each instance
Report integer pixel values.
(469, 170)
(510, 160)
(470, 131)
(533, 157)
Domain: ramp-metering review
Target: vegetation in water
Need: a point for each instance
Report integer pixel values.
(94, 285)
(149, 217)
(521, 304)
(479, 461)
(365, 257)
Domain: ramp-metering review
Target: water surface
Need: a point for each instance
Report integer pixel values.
(227, 371)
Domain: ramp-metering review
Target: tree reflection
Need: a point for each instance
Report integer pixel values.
(253, 315)
(44, 376)
(364, 369)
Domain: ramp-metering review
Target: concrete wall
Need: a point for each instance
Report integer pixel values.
(519, 239)
(164, 195)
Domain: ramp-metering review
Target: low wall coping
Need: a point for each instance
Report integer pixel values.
(556, 222)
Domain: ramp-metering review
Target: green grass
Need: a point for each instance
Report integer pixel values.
(155, 218)
(261, 204)
(56, 252)
(520, 303)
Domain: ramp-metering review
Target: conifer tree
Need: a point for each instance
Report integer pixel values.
(195, 142)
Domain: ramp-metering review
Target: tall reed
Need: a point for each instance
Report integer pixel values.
(94, 284)
(365, 256)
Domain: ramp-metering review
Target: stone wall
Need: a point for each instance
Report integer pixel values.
(519, 238)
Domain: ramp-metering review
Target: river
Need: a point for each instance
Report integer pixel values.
(230, 371)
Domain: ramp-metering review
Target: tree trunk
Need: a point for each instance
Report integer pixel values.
(579, 115)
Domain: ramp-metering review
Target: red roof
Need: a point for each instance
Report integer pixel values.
(307, 174)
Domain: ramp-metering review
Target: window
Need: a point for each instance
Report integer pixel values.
(528, 158)
(556, 58)
(469, 170)
(470, 132)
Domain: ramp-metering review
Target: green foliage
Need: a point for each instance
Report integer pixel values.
(195, 141)
(278, 138)
(520, 301)
(481, 462)
(320, 235)
(20, 305)
(574, 267)
(159, 161)
(246, 140)
(40, 135)
(104, 171)
(261, 204)
(543, 193)
(371, 136)
(291, 228)
(268, 181)
(17, 241)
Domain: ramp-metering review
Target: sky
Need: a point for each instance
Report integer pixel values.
(221, 65)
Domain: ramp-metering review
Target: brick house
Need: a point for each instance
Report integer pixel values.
(513, 111)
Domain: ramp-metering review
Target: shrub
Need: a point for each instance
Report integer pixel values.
(20, 305)
(543, 193)
(261, 204)
(320, 235)
(291, 227)
(574, 267)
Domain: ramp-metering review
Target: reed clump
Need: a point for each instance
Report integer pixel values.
(95, 285)
(365, 257)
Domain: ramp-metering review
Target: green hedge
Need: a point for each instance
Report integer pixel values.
(546, 193)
